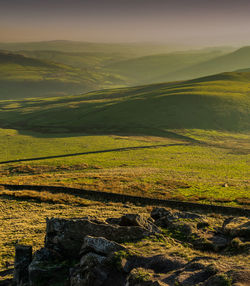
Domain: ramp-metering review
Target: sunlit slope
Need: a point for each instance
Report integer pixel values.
(22, 77)
(219, 102)
(237, 60)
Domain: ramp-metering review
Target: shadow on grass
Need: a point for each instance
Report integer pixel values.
(91, 152)
(103, 197)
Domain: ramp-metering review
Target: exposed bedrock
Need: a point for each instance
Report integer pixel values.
(89, 252)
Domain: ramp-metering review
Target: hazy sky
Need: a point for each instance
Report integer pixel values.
(207, 22)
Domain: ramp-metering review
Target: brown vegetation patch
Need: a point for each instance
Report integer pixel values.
(44, 196)
(243, 201)
(40, 169)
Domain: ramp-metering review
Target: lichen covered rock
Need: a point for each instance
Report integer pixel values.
(100, 245)
(68, 235)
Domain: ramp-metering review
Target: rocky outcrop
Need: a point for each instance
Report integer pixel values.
(88, 252)
(96, 265)
(68, 235)
(197, 271)
(90, 242)
(201, 271)
(196, 229)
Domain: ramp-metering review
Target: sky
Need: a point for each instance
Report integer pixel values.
(204, 22)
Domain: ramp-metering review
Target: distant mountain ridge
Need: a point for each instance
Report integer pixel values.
(134, 49)
(46, 73)
(237, 60)
(150, 69)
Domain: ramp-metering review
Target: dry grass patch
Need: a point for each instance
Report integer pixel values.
(243, 201)
(41, 169)
(45, 196)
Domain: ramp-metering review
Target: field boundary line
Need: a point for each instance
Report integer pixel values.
(123, 198)
(93, 152)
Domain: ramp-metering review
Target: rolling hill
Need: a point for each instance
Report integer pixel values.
(219, 102)
(237, 60)
(181, 66)
(153, 68)
(46, 73)
(132, 70)
(22, 77)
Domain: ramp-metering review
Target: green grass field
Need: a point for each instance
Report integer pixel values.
(201, 125)
(194, 172)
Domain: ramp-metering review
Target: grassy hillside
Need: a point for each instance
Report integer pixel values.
(59, 68)
(174, 168)
(219, 102)
(133, 70)
(22, 76)
(236, 60)
(213, 111)
(150, 69)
